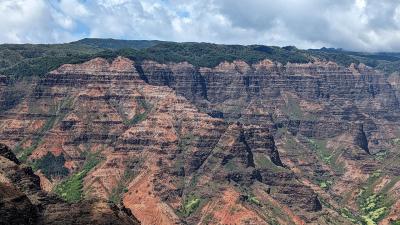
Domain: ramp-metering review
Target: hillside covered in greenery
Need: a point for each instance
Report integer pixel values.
(21, 60)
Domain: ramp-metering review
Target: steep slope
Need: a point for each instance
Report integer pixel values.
(23, 202)
(248, 144)
(335, 127)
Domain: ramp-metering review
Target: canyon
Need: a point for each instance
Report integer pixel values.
(174, 143)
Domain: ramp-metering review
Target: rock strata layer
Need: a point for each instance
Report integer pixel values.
(175, 144)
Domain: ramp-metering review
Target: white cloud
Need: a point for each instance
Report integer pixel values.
(371, 25)
(18, 17)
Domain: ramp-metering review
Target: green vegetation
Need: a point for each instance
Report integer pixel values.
(13, 98)
(320, 147)
(373, 209)
(231, 166)
(382, 60)
(25, 152)
(210, 55)
(71, 188)
(117, 44)
(325, 184)
(190, 205)
(185, 142)
(263, 161)
(338, 56)
(391, 184)
(51, 166)
(293, 109)
(265, 208)
(36, 60)
(397, 222)
(18, 61)
(388, 67)
(374, 206)
(381, 155)
(208, 219)
(179, 164)
(37, 138)
(250, 198)
(117, 192)
(328, 156)
(376, 174)
(137, 119)
(396, 141)
(58, 111)
(273, 221)
(129, 174)
(254, 200)
(139, 116)
(345, 212)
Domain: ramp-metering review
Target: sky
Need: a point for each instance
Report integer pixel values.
(362, 25)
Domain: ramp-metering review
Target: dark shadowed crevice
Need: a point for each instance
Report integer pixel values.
(141, 73)
(316, 205)
(274, 154)
(361, 139)
(203, 85)
(250, 157)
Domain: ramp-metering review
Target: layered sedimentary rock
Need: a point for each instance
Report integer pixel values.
(329, 95)
(23, 202)
(287, 144)
(339, 120)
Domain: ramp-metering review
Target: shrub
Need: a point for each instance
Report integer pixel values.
(190, 205)
(52, 166)
(71, 188)
(397, 222)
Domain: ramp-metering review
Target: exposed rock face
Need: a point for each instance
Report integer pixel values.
(8, 154)
(330, 96)
(16, 208)
(23, 202)
(283, 143)
(319, 100)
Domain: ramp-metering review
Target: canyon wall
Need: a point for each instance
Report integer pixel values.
(257, 144)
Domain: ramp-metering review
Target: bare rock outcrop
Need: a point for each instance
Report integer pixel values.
(23, 202)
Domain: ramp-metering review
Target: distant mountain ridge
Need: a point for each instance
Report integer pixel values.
(116, 43)
(27, 60)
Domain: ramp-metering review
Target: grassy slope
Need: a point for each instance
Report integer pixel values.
(71, 189)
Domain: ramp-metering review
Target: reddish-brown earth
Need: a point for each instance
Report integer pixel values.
(235, 144)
